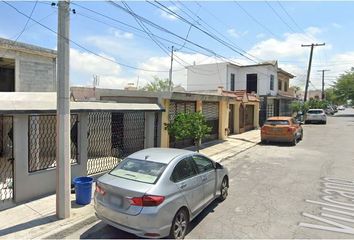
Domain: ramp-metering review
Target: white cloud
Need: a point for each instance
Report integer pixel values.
(84, 65)
(168, 16)
(122, 34)
(289, 47)
(179, 71)
(232, 32)
(260, 35)
(336, 25)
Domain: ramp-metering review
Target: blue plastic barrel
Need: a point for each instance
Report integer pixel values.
(83, 190)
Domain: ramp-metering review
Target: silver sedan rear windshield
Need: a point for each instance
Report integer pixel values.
(139, 170)
(276, 122)
(315, 112)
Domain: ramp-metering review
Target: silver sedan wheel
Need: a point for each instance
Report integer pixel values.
(180, 225)
(224, 189)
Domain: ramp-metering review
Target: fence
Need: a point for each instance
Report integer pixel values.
(42, 141)
(113, 136)
(6, 158)
(211, 113)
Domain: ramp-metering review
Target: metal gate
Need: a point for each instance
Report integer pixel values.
(111, 137)
(211, 113)
(242, 117)
(6, 159)
(180, 107)
(231, 118)
(249, 117)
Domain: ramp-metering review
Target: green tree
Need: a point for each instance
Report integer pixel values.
(344, 87)
(189, 125)
(158, 85)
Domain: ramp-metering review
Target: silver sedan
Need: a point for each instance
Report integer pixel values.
(156, 192)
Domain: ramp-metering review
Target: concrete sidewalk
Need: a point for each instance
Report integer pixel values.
(37, 219)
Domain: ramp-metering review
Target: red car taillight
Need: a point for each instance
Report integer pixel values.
(147, 201)
(291, 129)
(100, 190)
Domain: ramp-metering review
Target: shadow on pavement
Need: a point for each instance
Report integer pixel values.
(209, 209)
(28, 225)
(277, 144)
(206, 145)
(104, 231)
(344, 115)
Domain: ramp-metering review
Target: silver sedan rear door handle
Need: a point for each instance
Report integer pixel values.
(183, 185)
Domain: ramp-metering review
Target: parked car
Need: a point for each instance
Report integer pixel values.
(281, 129)
(156, 192)
(315, 115)
(330, 111)
(341, 108)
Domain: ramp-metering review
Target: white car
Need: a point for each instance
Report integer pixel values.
(341, 108)
(315, 115)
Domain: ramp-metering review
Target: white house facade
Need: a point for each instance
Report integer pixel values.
(266, 79)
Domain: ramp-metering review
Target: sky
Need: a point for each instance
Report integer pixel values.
(107, 41)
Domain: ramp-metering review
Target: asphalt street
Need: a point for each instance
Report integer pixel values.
(281, 191)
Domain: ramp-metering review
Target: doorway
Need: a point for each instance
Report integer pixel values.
(7, 75)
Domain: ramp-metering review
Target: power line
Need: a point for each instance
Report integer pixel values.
(170, 32)
(254, 19)
(24, 27)
(167, 10)
(279, 16)
(82, 47)
(137, 29)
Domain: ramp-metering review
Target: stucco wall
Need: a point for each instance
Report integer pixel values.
(263, 78)
(206, 77)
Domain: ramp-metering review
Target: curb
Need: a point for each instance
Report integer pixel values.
(68, 228)
(241, 151)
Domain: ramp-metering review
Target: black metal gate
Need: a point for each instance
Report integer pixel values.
(211, 113)
(180, 107)
(113, 136)
(249, 117)
(6, 159)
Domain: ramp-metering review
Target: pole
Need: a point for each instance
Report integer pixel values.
(309, 68)
(170, 75)
(323, 84)
(63, 176)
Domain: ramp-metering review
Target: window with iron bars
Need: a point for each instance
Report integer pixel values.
(42, 141)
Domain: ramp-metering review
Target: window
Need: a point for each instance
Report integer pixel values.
(139, 170)
(232, 83)
(279, 84)
(203, 164)
(286, 86)
(183, 170)
(271, 82)
(276, 122)
(251, 83)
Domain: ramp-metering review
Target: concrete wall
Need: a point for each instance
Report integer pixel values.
(206, 77)
(29, 186)
(33, 72)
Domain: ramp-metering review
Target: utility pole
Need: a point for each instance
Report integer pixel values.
(309, 68)
(323, 92)
(170, 76)
(63, 176)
